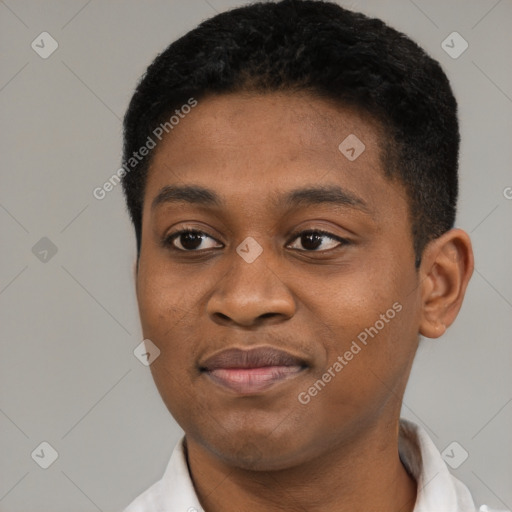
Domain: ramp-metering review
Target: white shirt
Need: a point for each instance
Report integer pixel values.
(438, 490)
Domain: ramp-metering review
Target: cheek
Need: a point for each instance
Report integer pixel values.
(167, 319)
(370, 320)
(354, 301)
(162, 296)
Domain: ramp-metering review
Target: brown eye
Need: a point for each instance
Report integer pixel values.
(313, 240)
(190, 240)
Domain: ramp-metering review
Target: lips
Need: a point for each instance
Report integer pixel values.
(253, 358)
(253, 370)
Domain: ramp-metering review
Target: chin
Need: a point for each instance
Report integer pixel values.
(259, 456)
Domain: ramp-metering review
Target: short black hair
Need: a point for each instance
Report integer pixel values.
(330, 52)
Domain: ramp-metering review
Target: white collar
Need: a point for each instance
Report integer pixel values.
(438, 490)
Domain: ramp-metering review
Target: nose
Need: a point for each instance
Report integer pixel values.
(250, 294)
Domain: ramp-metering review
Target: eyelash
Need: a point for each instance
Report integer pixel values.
(167, 242)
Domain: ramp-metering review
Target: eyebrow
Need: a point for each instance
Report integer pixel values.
(192, 194)
(308, 196)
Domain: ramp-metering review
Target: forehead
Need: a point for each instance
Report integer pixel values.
(248, 145)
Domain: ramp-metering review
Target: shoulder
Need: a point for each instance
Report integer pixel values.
(174, 491)
(148, 501)
(438, 488)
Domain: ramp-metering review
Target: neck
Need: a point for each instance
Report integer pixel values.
(360, 475)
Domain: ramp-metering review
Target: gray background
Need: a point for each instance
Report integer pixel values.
(69, 324)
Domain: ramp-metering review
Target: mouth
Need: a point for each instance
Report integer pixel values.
(252, 371)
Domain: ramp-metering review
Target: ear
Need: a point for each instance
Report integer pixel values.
(136, 272)
(446, 268)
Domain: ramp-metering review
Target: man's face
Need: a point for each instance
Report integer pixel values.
(265, 159)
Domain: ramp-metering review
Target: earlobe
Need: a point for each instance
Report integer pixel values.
(447, 266)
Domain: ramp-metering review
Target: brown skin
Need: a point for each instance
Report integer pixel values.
(269, 451)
